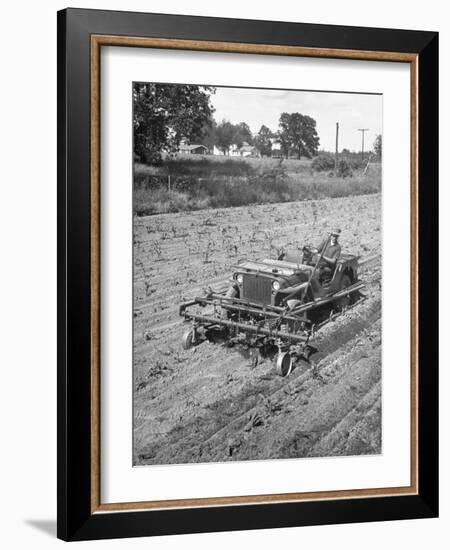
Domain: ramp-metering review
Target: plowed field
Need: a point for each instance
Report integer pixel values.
(208, 404)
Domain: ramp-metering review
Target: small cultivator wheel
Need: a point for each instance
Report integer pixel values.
(188, 339)
(284, 363)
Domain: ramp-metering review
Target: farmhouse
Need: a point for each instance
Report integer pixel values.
(245, 151)
(248, 151)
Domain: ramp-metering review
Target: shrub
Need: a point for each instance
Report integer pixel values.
(344, 170)
(323, 163)
(356, 163)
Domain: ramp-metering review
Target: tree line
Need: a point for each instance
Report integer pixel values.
(296, 135)
(166, 114)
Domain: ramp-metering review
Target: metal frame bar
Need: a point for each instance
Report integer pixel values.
(246, 327)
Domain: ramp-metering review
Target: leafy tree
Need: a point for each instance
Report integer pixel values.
(285, 143)
(263, 142)
(242, 133)
(209, 134)
(298, 132)
(164, 114)
(378, 146)
(224, 136)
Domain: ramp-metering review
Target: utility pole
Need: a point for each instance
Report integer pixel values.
(363, 130)
(337, 148)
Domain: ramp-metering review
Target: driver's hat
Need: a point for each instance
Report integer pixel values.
(336, 232)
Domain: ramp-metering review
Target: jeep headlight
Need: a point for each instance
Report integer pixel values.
(276, 285)
(240, 278)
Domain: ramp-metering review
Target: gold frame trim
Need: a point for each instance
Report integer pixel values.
(97, 41)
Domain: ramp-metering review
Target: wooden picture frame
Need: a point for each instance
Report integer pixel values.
(81, 35)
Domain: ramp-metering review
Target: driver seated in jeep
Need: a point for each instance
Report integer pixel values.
(310, 256)
(331, 251)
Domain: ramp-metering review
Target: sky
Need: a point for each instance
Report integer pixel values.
(262, 106)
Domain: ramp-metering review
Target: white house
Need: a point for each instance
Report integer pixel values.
(248, 151)
(245, 151)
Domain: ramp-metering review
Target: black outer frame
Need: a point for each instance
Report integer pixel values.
(75, 521)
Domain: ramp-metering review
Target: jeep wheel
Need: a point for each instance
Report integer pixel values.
(188, 339)
(284, 363)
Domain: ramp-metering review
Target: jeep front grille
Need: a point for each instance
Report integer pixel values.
(257, 289)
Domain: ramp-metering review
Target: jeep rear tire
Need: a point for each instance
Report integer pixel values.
(345, 301)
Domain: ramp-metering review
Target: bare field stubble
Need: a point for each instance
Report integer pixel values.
(207, 404)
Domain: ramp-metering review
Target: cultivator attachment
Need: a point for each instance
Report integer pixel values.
(256, 326)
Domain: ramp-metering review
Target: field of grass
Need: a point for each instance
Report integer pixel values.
(187, 183)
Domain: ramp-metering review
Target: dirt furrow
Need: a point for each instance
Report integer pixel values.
(207, 404)
(216, 422)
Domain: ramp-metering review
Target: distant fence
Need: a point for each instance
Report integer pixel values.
(184, 182)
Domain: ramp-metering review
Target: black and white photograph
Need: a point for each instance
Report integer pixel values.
(221, 284)
(257, 244)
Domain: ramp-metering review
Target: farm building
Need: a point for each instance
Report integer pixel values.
(217, 151)
(248, 151)
(193, 149)
(245, 151)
